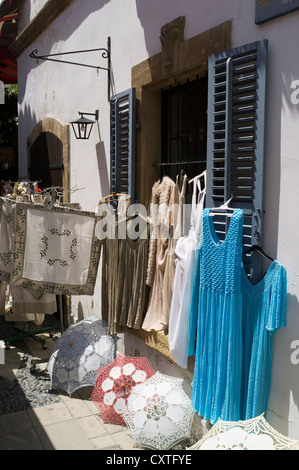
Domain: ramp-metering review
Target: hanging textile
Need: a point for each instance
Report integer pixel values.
(55, 250)
(176, 224)
(18, 305)
(216, 317)
(111, 254)
(6, 243)
(134, 297)
(166, 213)
(124, 264)
(24, 303)
(264, 312)
(186, 250)
(162, 192)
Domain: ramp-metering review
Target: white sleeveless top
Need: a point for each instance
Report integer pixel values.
(186, 250)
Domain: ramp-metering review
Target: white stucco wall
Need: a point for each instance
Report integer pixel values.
(28, 10)
(47, 89)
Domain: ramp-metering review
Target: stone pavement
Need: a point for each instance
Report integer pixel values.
(73, 423)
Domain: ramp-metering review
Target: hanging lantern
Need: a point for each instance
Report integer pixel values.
(82, 127)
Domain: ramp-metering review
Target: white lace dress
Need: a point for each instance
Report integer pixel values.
(186, 250)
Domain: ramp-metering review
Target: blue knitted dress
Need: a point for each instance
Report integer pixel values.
(264, 312)
(215, 324)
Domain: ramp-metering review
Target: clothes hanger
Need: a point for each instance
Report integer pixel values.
(224, 207)
(181, 179)
(258, 249)
(204, 174)
(115, 195)
(137, 213)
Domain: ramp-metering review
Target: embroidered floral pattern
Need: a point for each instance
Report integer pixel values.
(45, 241)
(54, 231)
(5, 258)
(72, 253)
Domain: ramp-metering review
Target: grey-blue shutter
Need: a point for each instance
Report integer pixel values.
(122, 143)
(235, 148)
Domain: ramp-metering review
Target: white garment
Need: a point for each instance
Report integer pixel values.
(176, 220)
(186, 251)
(24, 303)
(18, 305)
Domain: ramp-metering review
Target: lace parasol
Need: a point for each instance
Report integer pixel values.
(159, 412)
(114, 383)
(80, 352)
(252, 434)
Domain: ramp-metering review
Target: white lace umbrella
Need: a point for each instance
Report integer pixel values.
(80, 352)
(252, 434)
(159, 413)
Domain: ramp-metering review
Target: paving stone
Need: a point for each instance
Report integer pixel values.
(78, 408)
(92, 406)
(124, 440)
(19, 421)
(5, 427)
(111, 428)
(66, 435)
(59, 412)
(24, 440)
(92, 426)
(40, 416)
(104, 442)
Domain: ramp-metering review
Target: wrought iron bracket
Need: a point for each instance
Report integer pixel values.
(106, 54)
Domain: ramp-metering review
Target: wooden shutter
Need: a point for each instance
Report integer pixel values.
(122, 145)
(235, 148)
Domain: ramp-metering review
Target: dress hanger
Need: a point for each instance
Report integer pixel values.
(115, 195)
(223, 209)
(137, 214)
(204, 174)
(258, 249)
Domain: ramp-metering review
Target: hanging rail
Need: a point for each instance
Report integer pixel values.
(178, 163)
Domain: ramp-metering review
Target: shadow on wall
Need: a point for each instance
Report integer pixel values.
(28, 117)
(149, 11)
(272, 160)
(103, 169)
(73, 17)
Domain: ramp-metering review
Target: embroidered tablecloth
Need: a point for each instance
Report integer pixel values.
(55, 250)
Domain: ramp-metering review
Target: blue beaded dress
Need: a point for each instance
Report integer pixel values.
(215, 324)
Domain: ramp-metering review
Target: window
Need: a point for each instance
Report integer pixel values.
(184, 129)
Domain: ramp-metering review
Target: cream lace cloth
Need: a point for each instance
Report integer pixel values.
(252, 434)
(55, 250)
